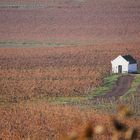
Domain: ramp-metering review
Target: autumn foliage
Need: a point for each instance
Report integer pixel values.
(33, 121)
(42, 72)
(28, 73)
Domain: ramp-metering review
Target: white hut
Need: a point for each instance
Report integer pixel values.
(124, 64)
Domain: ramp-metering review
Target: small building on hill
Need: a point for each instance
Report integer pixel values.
(124, 64)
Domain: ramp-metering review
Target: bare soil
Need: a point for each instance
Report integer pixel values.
(138, 89)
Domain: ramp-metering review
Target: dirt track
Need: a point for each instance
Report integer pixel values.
(121, 87)
(138, 89)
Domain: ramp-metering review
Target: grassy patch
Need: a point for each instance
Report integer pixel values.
(22, 5)
(12, 43)
(108, 84)
(66, 100)
(34, 43)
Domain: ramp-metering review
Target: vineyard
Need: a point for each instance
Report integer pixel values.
(55, 69)
(39, 72)
(43, 121)
(30, 77)
(65, 22)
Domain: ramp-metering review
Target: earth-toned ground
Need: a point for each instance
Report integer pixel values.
(56, 48)
(138, 89)
(64, 71)
(121, 87)
(69, 22)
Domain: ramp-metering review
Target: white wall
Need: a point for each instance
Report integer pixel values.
(119, 61)
(132, 68)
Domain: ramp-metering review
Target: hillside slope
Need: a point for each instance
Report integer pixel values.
(70, 22)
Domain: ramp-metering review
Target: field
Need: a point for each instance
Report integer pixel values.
(34, 72)
(43, 121)
(68, 22)
(55, 65)
(31, 79)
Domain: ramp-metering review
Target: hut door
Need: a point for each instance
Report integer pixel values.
(120, 69)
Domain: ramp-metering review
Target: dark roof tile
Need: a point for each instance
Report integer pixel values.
(130, 59)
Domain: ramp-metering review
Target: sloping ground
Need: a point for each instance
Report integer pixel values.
(125, 91)
(122, 86)
(69, 21)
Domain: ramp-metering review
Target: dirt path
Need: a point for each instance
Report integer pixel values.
(122, 86)
(138, 89)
